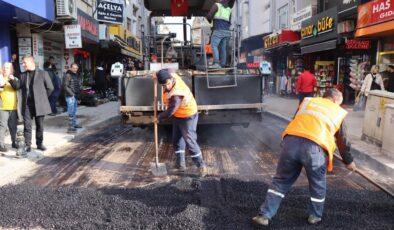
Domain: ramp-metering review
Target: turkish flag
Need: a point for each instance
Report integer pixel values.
(179, 7)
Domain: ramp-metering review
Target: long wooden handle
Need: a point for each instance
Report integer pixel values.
(155, 124)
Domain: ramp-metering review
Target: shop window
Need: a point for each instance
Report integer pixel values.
(283, 15)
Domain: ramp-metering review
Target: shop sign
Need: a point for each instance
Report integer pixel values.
(347, 5)
(110, 11)
(352, 44)
(300, 16)
(319, 28)
(374, 12)
(24, 48)
(271, 41)
(89, 26)
(72, 35)
(255, 65)
(38, 48)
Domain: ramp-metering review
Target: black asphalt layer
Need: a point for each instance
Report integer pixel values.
(210, 203)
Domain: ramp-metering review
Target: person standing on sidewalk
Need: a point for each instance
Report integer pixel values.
(71, 87)
(373, 81)
(56, 85)
(305, 86)
(36, 86)
(390, 84)
(9, 102)
(220, 15)
(309, 142)
(182, 106)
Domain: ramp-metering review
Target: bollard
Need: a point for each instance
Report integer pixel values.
(20, 143)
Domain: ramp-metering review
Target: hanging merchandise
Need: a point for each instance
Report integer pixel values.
(325, 73)
(357, 73)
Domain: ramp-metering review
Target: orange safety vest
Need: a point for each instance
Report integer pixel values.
(318, 119)
(189, 105)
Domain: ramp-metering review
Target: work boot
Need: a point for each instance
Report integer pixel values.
(3, 148)
(14, 145)
(28, 149)
(202, 171)
(261, 220)
(41, 147)
(312, 219)
(71, 130)
(180, 168)
(78, 127)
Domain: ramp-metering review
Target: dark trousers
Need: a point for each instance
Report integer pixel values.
(298, 153)
(30, 113)
(303, 95)
(184, 134)
(52, 101)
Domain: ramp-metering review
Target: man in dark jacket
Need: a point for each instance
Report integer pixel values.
(390, 85)
(56, 84)
(71, 87)
(36, 86)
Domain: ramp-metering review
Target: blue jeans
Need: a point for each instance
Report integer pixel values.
(219, 41)
(184, 134)
(298, 152)
(72, 104)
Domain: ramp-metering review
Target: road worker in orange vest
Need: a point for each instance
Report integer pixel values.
(309, 142)
(182, 107)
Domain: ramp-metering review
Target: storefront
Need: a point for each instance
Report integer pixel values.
(283, 49)
(376, 20)
(85, 57)
(39, 11)
(319, 39)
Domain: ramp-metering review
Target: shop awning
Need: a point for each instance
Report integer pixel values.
(125, 49)
(37, 11)
(322, 46)
(378, 30)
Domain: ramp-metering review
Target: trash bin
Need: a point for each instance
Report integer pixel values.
(374, 115)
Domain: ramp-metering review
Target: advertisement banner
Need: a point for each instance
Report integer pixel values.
(300, 16)
(375, 12)
(72, 35)
(110, 11)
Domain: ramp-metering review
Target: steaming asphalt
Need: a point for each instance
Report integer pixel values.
(61, 195)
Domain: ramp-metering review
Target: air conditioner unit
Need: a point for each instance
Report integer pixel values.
(66, 10)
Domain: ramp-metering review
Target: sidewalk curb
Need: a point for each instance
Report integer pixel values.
(357, 153)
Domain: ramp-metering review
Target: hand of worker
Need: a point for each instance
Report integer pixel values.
(154, 76)
(155, 120)
(351, 166)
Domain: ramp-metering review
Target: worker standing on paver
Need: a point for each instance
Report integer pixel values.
(309, 142)
(220, 16)
(182, 107)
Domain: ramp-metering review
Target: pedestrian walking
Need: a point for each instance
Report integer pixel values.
(220, 16)
(309, 142)
(182, 107)
(36, 86)
(305, 86)
(56, 85)
(8, 107)
(71, 86)
(100, 80)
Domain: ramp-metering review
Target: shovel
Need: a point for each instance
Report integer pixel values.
(158, 169)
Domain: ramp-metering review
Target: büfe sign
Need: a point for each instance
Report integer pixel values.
(375, 12)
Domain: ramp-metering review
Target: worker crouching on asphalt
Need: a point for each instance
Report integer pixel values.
(309, 142)
(182, 107)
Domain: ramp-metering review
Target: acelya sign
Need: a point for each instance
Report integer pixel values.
(110, 11)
